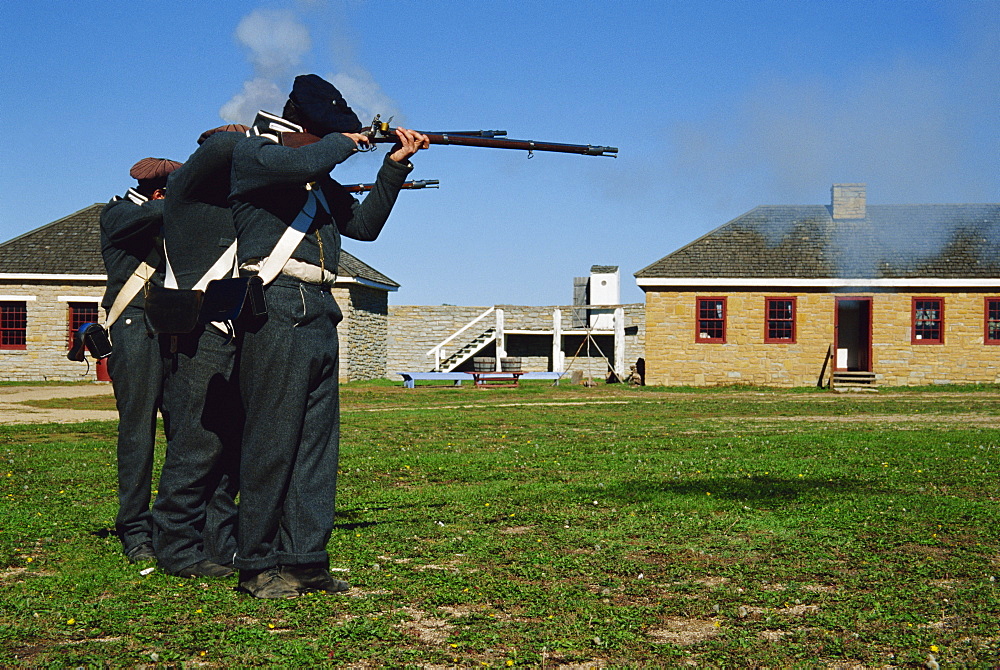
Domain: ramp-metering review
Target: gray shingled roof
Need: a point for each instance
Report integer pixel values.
(72, 245)
(893, 241)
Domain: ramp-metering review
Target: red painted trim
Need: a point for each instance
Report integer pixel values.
(74, 321)
(869, 363)
(986, 320)
(23, 331)
(767, 321)
(913, 320)
(697, 320)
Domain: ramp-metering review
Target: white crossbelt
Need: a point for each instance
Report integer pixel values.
(142, 274)
(223, 266)
(129, 290)
(272, 265)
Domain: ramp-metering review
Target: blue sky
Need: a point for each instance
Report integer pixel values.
(716, 107)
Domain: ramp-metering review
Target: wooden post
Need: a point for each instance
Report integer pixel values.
(620, 343)
(557, 354)
(501, 339)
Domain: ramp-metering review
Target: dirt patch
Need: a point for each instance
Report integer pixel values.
(773, 635)
(964, 419)
(517, 530)
(12, 575)
(684, 632)
(426, 628)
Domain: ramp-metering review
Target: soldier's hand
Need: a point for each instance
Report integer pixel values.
(410, 142)
(361, 141)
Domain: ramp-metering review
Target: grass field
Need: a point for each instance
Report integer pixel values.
(559, 526)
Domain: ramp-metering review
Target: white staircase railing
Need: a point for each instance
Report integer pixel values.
(438, 351)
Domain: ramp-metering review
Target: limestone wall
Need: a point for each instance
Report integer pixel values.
(414, 330)
(363, 333)
(675, 357)
(44, 357)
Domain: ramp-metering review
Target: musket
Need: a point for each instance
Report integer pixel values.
(420, 183)
(380, 131)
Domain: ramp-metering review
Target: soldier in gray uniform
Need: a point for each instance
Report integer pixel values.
(130, 229)
(195, 507)
(288, 368)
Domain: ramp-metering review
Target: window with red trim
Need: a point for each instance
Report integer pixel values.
(992, 333)
(779, 325)
(79, 314)
(711, 320)
(928, 321)
(13, 325)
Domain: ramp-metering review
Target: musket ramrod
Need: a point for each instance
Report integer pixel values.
(380, 132)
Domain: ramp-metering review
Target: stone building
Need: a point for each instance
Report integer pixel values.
(870, 294)
(52, 279)
(545, 338)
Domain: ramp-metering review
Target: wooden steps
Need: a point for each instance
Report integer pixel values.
(851, 380)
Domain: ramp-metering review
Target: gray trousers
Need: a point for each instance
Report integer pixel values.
(195, 508)
(136, 370)
(288, 371)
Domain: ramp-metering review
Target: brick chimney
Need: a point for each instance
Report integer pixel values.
(848, 201)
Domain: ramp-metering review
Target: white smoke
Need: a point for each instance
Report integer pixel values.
(365, 96)
(276, 42)
(256, 94)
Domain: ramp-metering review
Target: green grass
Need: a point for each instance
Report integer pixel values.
(559, 525)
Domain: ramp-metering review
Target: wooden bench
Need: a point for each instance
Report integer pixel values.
(544, 375)
(410, 378)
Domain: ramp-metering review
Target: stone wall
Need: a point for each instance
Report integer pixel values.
(415, 330)
(674, 357)
(44, 357)
(363, 333)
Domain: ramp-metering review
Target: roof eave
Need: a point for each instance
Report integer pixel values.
(825, 282)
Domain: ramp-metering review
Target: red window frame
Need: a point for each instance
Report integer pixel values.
(991, 321)
(80, 313)
(710, 318)
(779, 323)
(13, 324)
(927, 322)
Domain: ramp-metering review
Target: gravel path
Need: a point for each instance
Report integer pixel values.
(12, 409)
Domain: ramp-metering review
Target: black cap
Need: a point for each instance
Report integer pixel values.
(320, 107)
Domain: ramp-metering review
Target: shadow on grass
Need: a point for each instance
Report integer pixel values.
(762, 489)
(346, 516)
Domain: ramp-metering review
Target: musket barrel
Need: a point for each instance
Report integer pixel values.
(419, 183)
(522, 145)
(474, 133)
(495, 139)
